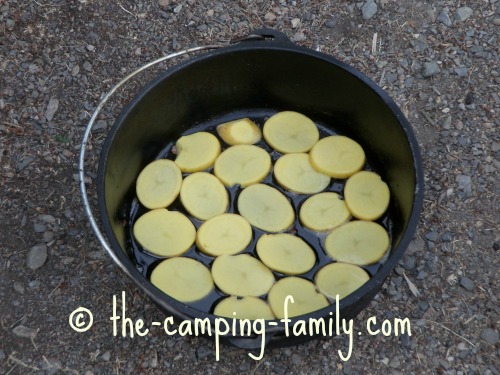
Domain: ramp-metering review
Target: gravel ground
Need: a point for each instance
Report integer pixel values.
(438, 59)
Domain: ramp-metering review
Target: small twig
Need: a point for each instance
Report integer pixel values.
(11, 125)
(374, 44)
(19, 362)
(428, 118)
(449, 330)
(58, 285)
(129, 12)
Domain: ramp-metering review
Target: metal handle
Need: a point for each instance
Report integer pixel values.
(81, 172)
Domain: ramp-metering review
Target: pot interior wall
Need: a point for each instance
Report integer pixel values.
(231, 81)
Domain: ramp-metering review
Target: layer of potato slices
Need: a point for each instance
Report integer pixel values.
(295, 173)
(158, 184)
(184, 279)
(324, 211)
(164, 233)
(366, 195)
(239, 132)
(290, 131)
(340, 278)
(358, 242)
(197, 152)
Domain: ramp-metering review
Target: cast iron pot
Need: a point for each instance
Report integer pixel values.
(262, 73)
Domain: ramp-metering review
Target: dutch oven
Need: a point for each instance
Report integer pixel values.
(259, 75)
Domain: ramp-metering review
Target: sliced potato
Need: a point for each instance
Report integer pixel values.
(159, 184)
(245, 308)
(204, 196)
(323, 212)
(290, 131)
(357, 242)
(295, 173)
(242, 275)
(340, 278)
(224, 234)
(239, 132)
(337, 156)
(164, 233)
(243, 165)
(197, 151)
(184, 279)
(366, 195)
(285, 253)
(306, 298)
(266, 208)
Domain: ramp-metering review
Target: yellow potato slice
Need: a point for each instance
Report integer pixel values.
(337, 156)
(323, 212)
(285, 253)
(242, 164)
(184, 279)
(357, 242)
(245, 308)
(366, 195)
(197, 151)
(203, 195)
(224, 234)
(241, 275)
(239, 132)
(159, 184)
(295, 173)
(290, 131)
(340, 278)
(306, 298)
(266, 208)
(164, 233)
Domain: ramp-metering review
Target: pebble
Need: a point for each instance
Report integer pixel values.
(369, 9)
(432, 236)
(87, 66)
(2, 355)
(24, 163)
(39, 228)
(496, 21)
(46, 219)
(330, 24)
(269, 16)
(464, 13)
(447, 237)
(296, 359)
(51, 108)
(24, 332)
(467, 283)
(423, 306)
(37, 256)
(490, 336)
(48, 236)
(430, 68)
(465, 184)
(295, 22)
(461, 71)
(75, 70)
(444, 18)
(106, 356)
(163, 3)
(394, 362)
(18, 287)
(416, 246)
(99, 126)
(203, 351)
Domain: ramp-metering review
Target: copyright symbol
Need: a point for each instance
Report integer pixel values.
(77, 319)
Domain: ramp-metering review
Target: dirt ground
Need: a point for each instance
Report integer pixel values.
(439, 60)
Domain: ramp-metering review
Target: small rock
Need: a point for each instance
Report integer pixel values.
(369, 9)
(432, 236)
(163, 3)
(106, 356)
(416, 246)
(2, 355)
(423, 306)
(46, 219)
(203, 351)
(490, 336)
(18, 287)
(461, 71)
(464, 13)
(467, 283)
(269, 16)
(34, 284)
(75, 70)
(87, 66)
(465, 184)
(444, 18)
(39, 228)
(24, 332)
(299, 37)
(394, 362)
(48, 236)
(178, 8)
(496, 21)
(24, 163)
(447, 237)
(99, 126)
(295, 22)
(296, 359)
(330, 24)
(430, 68)
(37, 256)
(51, 108)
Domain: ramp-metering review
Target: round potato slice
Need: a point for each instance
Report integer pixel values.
(245, 308)
(290, 131)
(295, 173)
(184, 279)
(241, 275)
(224, 234)
(323, 212)
(305, 297)
(366, 195)
(341, 279)
(164, 233)
(239, 132)
(337, 156)
(197, 151)
(266, 208)
(159, 184)
(357, 242)
(203, 195)
(242, 164)
(285, 253)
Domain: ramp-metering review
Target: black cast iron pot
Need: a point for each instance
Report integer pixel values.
(262, 74)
